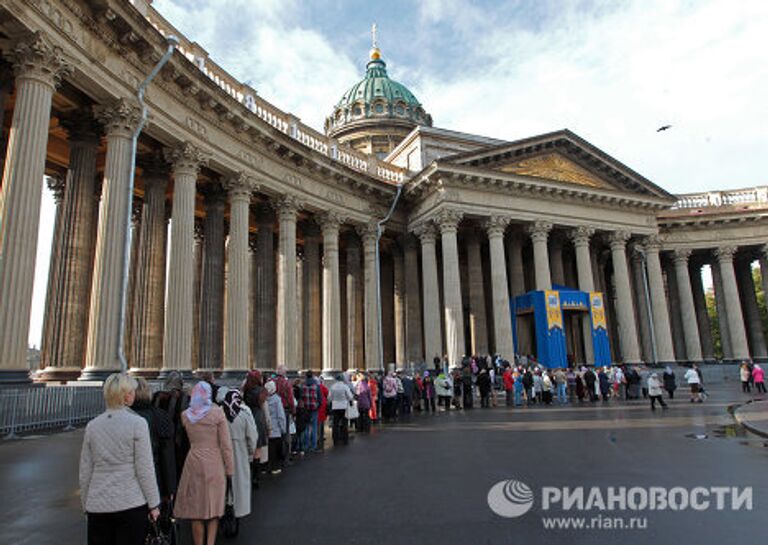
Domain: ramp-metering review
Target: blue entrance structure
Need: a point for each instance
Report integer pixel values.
(547, 308)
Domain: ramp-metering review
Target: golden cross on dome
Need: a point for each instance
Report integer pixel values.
(374, 36)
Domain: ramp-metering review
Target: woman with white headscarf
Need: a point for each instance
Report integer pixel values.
(208, 465)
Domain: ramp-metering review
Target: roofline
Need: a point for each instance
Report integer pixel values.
(458, 135)
(574, 138)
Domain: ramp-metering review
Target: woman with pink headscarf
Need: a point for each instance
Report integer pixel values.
(208, 467)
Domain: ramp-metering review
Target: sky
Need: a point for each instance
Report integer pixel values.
(611, 71)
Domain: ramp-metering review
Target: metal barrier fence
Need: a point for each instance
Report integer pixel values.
(46, 408)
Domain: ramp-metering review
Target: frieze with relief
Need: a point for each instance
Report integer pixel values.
(553, 166)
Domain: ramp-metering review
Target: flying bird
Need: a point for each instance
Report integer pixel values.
(663, 128)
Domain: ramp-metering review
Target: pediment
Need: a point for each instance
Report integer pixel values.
(556, 167)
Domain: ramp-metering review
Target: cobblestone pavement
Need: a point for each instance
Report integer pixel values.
(426, 480)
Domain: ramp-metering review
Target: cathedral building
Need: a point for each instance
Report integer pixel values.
(257, 240)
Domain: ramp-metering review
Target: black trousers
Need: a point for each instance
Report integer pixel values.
(658, 398)
(127, 527)
(340, 432)
(276, 452)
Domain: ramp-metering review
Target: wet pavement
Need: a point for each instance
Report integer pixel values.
(426, 480)
(754, 416)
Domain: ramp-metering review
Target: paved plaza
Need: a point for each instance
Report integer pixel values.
(425, 480)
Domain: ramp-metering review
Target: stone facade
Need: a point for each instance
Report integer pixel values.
(285, 267)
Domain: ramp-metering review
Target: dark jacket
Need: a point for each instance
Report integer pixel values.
(484, 383)
(670, 382)
(173, 403)
(163, 452)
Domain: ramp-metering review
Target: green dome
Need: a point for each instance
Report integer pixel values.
(377, 98)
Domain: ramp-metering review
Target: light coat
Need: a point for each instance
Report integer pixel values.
(245, 437)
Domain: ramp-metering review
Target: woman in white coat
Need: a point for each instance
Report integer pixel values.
(242, 429)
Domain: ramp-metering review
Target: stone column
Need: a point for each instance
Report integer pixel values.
(38, 67)
(687, 309)
(630, 350)
(642, 315)
(722, 314)
(312, 309)
(287, 341)
(300, 306)
(137, 209)
(52, 316)
(413, 326)
(556, 260)
(662, 331)
(515, 264)
(355, 322)
(372, 342)
(198, 286)
(502, 320)
(733, 311)
(212, 291)
(180, 307)
(580, 236)
(332, 358)
(702, 316)
(264, 287)
(754, 324)
(477, 321)
(120, 120)
(448, 222)
(675, 319)
(236, 363)
(399, 303)
(148, 310)
(539, 232)
(433, 337)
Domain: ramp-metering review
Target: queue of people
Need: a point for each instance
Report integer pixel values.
(194, 455)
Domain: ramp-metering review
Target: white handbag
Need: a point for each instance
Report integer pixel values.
(352, 411)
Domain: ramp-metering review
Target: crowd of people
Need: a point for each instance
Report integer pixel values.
(198, 454)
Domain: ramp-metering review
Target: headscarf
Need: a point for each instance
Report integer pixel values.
(230, 401)
(668, 370)
(200, 403)
(271, 387)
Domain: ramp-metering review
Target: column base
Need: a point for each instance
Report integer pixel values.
(234, 373)
(13, 377)
(57, 374)
(663, 364)
(760, 359)
(96, 374)
(731, 361)
(186, 374)
(144, 373)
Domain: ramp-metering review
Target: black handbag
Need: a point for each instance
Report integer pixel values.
(230, 525)
(156, 536)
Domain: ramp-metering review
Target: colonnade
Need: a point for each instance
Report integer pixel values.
(245, 278)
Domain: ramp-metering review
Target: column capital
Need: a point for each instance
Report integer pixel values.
(426, 232)
(581, 235)
(652, 243)
(81, 127)
(287, 206)
(681, 255)
(240, 186)
(448, 220)
(496, 225)
(120, 117)
(330, 222)
(539, 230)
(37, 58)
(186, 158)
(368, 232)
(618, 240)
(153, 166)
(56, 184)
(725, 254)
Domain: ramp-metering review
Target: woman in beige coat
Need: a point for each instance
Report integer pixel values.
(208, 465)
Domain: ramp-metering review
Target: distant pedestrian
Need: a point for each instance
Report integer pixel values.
(509, 385)
(278, 428)
(428, 386)
(759, 377)
(443, 389)
(745, 377)
(340, 398)
(694, 383)
(364, 404)
(654, 391)
(118, 487)
(174, 401)
(484, 386)
(670, 382)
